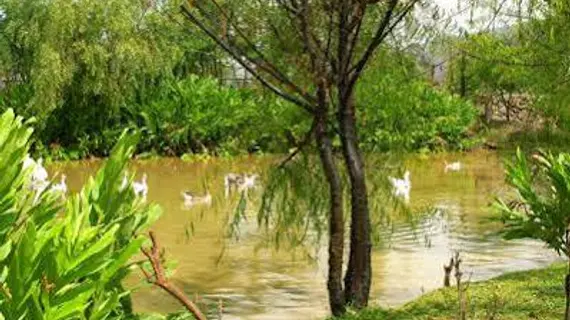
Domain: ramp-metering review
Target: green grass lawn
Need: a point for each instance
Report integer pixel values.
(535, 294)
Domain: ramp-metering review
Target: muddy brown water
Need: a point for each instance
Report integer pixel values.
(270, 284)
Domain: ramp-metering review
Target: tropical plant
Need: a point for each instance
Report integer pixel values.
(66, 259)
(541, 212)
(200, 115)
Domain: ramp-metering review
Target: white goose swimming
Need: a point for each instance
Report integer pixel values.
(60, 187)
(191, 199)
(140, 187)
(249, 182)
(454, 166)
(401, 187)
(39, 178)
(40, 173)
(232, 180)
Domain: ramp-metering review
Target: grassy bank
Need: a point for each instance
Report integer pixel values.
(535, 294)
(508, 137)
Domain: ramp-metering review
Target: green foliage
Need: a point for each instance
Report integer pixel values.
(535, 294)
(66, 259)
(86, 70)
(544, 198)
(400, 110)
(295, 203)
(530, 56)
(74, 64)
(200, 115)
(545, 38)
(489, 63)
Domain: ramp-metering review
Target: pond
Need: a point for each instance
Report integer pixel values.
(269, 284)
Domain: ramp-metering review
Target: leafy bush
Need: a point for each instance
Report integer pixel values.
(200, 115)
(400, 110)
(66, 260)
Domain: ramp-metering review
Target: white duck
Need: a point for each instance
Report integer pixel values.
(454, 166)
(60, 187)
(232, 180)
(40, 173)
(401, 187)
(190, 199)
(249, 182)
(39, 179)
(141, 188)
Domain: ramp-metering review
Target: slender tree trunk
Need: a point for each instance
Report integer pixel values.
(567, 292)
(336, 222)
(463, 77)
(567, 278)
(358, 275)
(488, 112)
(336, 217)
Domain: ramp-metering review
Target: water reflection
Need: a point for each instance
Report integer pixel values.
(264, 284)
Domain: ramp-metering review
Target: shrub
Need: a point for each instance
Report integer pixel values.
(200, 115)
(400, 110)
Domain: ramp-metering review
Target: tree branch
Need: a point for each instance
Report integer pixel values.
(159, 278)
(383, 30)
(266, 66)
(247, 65)
(303, 143)
(378, 37)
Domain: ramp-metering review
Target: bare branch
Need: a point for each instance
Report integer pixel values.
(384, 29)
(159, 278)
(358, 17)
(378, 37)
(266, 66)
(247, 64)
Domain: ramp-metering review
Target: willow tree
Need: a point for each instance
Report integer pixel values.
(312, 54)
(75, 63)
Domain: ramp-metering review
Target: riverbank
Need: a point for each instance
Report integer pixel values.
(507, 138)
(534, 294)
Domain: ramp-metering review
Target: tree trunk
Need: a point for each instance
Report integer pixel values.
(567, 278)
(567, 292)
(488, 112)
(358, 274)
(463, 77)
(336, 221)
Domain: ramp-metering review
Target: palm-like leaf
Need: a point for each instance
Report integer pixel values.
(66, 260)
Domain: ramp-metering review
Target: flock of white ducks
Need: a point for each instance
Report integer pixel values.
(240, 182)
(401, 187)
(232, 181)
(39, 182)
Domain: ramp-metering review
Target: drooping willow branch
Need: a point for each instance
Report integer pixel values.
(300, 146)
